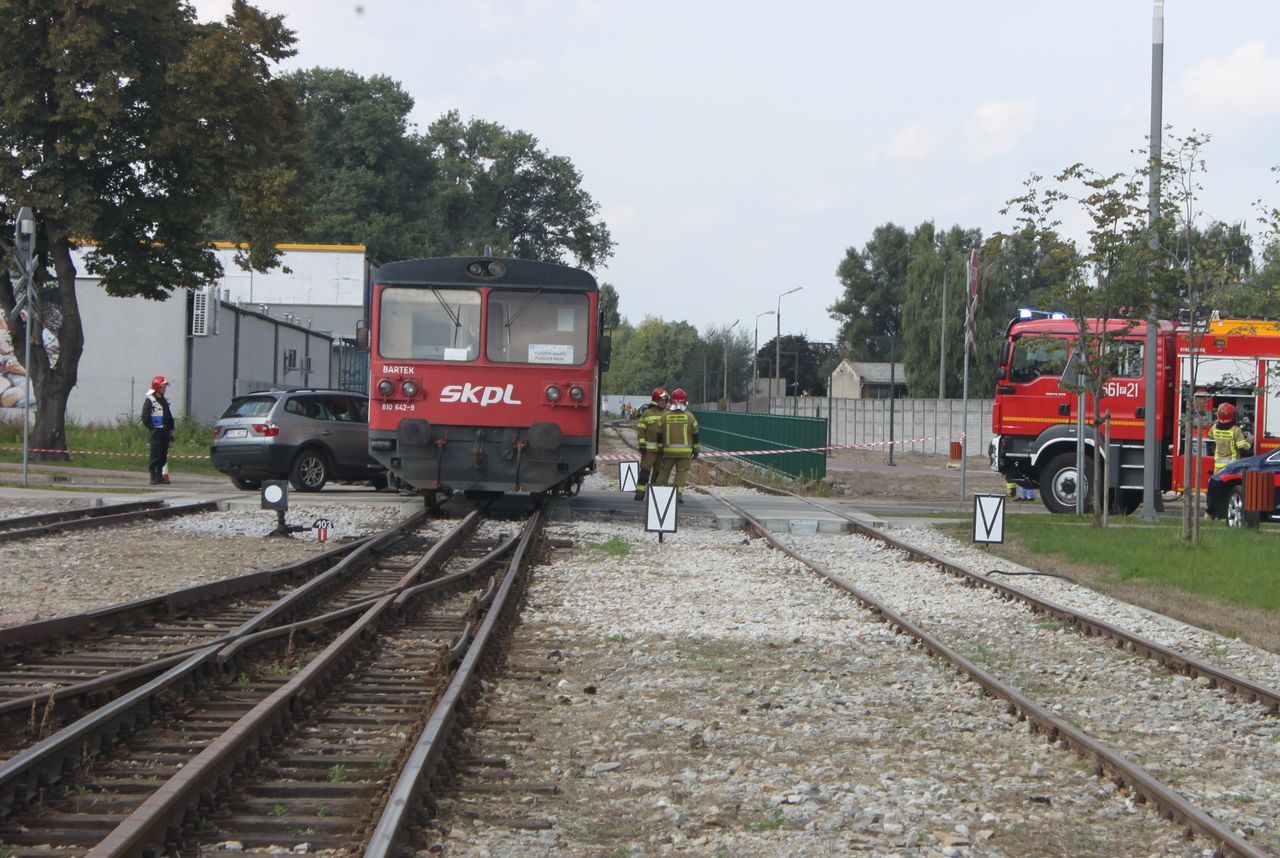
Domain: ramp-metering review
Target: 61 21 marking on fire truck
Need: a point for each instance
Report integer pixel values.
(1127, 389)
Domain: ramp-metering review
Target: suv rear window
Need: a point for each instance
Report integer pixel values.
(250, 406)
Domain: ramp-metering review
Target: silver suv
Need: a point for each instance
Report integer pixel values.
(309, 437)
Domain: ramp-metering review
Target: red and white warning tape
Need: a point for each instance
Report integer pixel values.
(725, 454)
(96, 453)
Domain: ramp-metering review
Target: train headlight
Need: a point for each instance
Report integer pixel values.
(554, 393)
(410, 389)
(385, 387)
(486, 268)
(577, 393)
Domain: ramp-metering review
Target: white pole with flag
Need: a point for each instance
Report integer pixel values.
(970, 336)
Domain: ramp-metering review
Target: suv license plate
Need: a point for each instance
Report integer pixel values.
(237, 433)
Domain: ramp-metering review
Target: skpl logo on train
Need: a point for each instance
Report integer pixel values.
(479, 395)
(486, 374)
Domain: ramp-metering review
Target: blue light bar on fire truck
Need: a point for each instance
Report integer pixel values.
(1025, 313)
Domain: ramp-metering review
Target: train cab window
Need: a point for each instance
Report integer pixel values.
(429, 323)
(1034, 357)
(537, 327)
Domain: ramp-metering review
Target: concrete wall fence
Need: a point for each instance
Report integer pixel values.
(919, 425)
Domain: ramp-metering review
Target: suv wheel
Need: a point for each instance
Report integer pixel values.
(310, 471)
(246, 485)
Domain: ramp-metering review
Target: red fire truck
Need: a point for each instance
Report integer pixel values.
(1035, 418)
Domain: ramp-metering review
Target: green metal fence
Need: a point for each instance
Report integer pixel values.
(725, 430)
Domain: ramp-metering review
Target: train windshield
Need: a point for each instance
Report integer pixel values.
(533, 326)
(429, 324)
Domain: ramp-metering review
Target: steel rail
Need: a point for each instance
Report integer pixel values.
(109, 520)
(405, 800)
(1172, 805)
(26, 521)
(46, 762)
(1089, 626)
(53, 631)
(150, 825)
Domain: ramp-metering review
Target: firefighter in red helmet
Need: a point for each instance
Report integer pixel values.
(1230, 442)
(679, 443)
(648, 428)
(158, 419)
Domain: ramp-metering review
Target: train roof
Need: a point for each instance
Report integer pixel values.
(456, 271)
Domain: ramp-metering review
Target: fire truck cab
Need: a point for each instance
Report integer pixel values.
(1034, 418)
(1035, 414)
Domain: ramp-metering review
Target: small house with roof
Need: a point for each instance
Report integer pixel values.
(868, 380)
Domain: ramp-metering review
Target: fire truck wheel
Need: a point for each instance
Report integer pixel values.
(1059, 483)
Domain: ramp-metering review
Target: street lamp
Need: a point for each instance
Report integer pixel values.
(755, 354)
(725, 395)
(777, 343)
(24, 245)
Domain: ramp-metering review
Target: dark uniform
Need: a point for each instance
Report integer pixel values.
(158, 419)
(679, 444)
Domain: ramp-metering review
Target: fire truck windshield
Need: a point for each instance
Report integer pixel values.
(1035, 357)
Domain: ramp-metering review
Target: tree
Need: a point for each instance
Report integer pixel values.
(130, 124)
(373, 177)
(1096, 281)
(609, 306)
(495, 187)
(816, 363)
(656, 353)
(874, 281)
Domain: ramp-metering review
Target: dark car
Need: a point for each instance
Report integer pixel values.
(309, 437)
(1225, 495)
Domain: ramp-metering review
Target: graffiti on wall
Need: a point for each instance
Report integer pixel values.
(13, 376)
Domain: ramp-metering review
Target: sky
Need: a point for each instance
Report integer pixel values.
(738, 149)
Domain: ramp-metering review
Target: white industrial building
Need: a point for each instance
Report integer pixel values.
(289, 327)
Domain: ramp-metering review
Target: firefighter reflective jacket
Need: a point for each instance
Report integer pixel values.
(679, 433)
(1228, 444)
(649, 428)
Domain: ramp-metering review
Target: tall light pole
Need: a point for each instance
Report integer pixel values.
(1151, 500)
(777, 343)
(755, 355)
(24, 245)
(725, 394)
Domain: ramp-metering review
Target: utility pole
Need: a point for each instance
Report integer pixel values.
(24, 246)
(777, 346)
(1151, 499)
(942, 338)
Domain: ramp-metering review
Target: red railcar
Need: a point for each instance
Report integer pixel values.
(485, 374)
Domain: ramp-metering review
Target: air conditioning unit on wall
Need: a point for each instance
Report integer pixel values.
(200, 313)
(204, 312)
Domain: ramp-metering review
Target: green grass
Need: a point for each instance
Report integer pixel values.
(1231, 565)
(120, 446)
(615, 547)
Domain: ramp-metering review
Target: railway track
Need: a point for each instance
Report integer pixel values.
(281, 748)
(1113, 747)
(1055, 722)
(44, 524)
